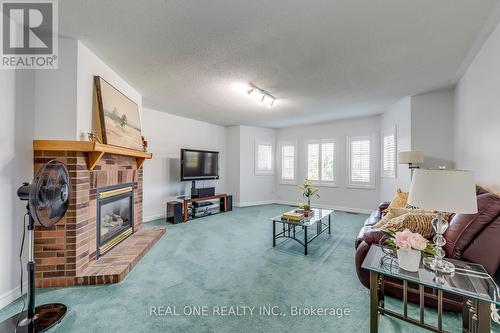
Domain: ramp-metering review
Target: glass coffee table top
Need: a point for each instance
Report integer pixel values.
(469, 280)
(318, 215)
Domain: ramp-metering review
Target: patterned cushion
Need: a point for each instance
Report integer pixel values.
(395, 212)
(399, 201)
(416, 222)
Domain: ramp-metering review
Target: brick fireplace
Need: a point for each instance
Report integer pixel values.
(67, 253)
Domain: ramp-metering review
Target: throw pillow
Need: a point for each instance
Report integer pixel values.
(399, 201)
(395, 212)
(416, 222)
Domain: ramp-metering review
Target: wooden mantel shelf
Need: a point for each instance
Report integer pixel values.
(95, 150)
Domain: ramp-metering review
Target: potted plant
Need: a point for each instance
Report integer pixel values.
(307, 192)
(410, 247)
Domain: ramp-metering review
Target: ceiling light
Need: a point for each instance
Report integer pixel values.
(262, 94)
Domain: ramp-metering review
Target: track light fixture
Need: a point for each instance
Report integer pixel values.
(261, 94)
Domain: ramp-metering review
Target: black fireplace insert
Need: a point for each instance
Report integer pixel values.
(115, 216)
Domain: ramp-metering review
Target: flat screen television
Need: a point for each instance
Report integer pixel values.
(199, 164)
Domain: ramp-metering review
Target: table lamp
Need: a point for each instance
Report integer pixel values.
(451, 191)
(411, 158)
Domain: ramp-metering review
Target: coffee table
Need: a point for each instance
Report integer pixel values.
(321, 221)
(470, 281)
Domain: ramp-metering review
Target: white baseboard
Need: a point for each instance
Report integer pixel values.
(11, 295)
(255, 203)
(153, 217)
(333, 207)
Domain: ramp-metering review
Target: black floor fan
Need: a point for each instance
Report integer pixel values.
(48, 200)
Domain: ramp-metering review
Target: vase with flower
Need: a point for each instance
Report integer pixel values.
(308, 191)
(410, 246)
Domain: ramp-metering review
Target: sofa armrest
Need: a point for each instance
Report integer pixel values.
(373, 236)
(383, 206)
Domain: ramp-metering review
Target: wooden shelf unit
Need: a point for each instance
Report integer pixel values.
(95, 150)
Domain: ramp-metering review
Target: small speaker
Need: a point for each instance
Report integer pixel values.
(229, 203)
(174, 212)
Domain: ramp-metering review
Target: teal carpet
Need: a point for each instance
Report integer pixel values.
(228, 260)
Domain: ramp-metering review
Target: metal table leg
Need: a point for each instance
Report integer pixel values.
(305, 240)
(274, 234)
(483, 317)
(329, 224)
(373, 302)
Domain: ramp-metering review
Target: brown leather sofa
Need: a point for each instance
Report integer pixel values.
(470, 237)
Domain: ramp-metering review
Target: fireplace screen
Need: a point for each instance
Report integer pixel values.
(114, 217)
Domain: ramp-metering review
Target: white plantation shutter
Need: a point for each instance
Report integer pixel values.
(321, 161)
(313, 161)
(360, 161)
(288, 162)
(389, 155)
(328, 161)
(263, 159)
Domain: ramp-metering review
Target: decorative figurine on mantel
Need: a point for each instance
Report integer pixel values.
(307, 192)
(93, 137)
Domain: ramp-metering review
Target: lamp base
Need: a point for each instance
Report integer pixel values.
(46, 316)
(440, 266)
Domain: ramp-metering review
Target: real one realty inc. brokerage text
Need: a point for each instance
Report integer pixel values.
(247, 310)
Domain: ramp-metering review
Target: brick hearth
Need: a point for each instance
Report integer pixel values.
(65, 252)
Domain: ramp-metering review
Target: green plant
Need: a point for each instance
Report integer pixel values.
(304, 206)
(308, 191)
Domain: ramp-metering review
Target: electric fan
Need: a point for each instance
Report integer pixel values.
(47, 201)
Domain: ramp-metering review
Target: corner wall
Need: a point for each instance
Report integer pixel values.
(477, 115)
(167, 134)
(432, 120)
(17, 91)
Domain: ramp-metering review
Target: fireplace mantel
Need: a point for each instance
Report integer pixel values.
(95, 150)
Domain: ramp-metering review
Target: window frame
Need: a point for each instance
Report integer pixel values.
(279, 163)
(263, 172)
(384, 134)
(321, 182)
(360, 185)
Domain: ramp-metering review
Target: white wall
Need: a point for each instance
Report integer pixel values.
(340, 197)
(233, 162)
(64, 96)
(166, 135)
(55, 95)
(88, 66)
(254, 189)
(477, 115)
(397, 115)
(16, 166)
(432, 126)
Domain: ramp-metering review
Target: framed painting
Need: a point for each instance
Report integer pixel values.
(118, 115)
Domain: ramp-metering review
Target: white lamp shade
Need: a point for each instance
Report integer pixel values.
(407, 157)
(451, 191)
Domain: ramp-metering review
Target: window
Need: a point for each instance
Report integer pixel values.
(263, 159)
(321, 162)
(288, 162)
(389, 154)
(359, 162)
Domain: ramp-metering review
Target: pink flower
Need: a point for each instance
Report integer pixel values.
(418, 242)
(403, 239)
(407, 240)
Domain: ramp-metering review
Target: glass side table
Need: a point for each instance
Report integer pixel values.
(470, 281)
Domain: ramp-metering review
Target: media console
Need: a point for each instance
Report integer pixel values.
(178, 211)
